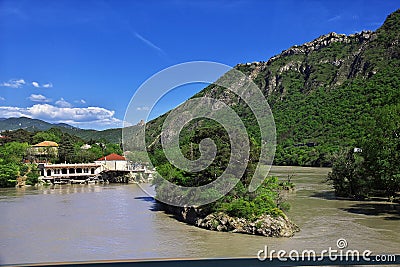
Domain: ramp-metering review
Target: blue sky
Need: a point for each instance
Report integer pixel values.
(80, 62)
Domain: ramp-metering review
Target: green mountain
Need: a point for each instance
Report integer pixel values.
(322, 93)
(34, 125)
(29, 124)
(109, 135)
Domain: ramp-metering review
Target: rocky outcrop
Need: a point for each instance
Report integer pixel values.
(324, 41)
(312, 65)
(265, 225)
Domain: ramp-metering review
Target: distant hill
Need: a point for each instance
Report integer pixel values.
(28, 124)
(34, 125)
(110, 135)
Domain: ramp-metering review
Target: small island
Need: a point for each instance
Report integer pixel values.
(260, 215)
(261, 212)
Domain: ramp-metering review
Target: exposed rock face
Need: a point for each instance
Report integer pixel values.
(308, 62)
(323, 41)
(325, 62)
(265, 225)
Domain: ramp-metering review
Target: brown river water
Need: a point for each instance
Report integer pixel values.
(102, 222)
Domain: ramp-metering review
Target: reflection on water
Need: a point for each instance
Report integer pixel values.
(95, 222)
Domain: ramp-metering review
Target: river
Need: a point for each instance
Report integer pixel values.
(99, 222)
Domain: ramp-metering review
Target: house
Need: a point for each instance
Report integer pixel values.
(114, 162)
(72, 171)
(44, 150)
(86, 147)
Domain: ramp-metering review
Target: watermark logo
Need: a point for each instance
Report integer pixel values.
(220, 77)
(341, 243)
(338, 253)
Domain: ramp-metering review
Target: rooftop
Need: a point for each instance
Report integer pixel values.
(46, 144)
(112, 156)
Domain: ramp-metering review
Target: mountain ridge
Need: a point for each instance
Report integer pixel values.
(32, 125)
(14, 123)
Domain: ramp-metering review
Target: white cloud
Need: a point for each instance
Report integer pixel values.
(38, 98)
(14, 83)
(144, 108)
(35, 84)
(2, 98)
(8, 112)
(47, 85)
(18, 83)
(81, 101)
(89, 117)
(63, 104)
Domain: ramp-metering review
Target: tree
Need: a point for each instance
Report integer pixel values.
(347, 176)
(95, 152)
(45, 136)
(8, 174)
(11, 166)
(381, 151)
(32, 174)
(19, 135)
(238, 202)
(112, 148)
(13, 152)
(66, 150)
(376, 170)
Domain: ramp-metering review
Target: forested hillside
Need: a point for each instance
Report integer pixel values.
(322, 93)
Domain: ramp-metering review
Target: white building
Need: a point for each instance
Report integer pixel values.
(115, 162)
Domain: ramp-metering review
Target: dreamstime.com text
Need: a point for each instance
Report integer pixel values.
(333, 254)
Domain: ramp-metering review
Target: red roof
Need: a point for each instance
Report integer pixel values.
(112, 156)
